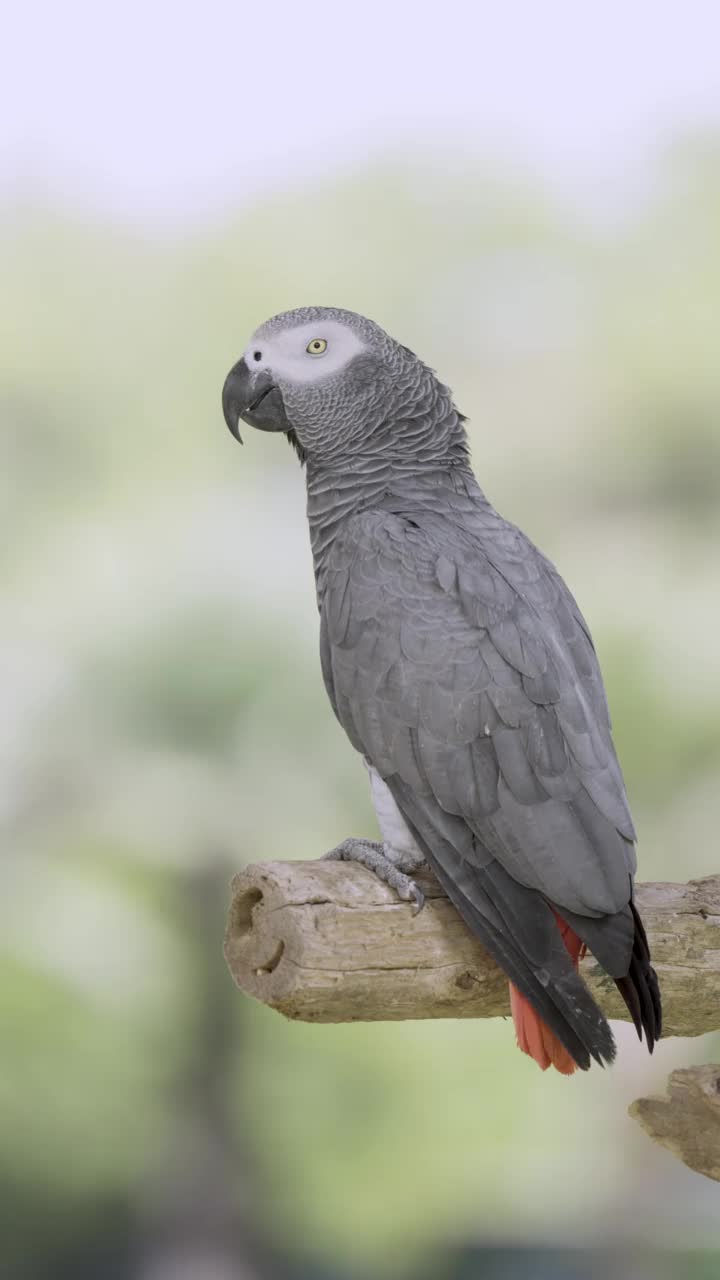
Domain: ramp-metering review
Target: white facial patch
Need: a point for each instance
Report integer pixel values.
(286, 352)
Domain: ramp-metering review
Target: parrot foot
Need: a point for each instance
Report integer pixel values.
(389, 865)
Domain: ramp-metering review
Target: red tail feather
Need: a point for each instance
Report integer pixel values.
(534, 1037)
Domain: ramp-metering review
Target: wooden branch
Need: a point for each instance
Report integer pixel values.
(326, 942)
(687, 1121)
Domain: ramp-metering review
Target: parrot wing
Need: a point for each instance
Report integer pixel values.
(461, 667)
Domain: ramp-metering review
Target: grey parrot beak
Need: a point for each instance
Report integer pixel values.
(255, 398)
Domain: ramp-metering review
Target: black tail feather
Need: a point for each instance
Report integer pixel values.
(632, 1000)
(508, 918)
(559, 995)
(639, 988)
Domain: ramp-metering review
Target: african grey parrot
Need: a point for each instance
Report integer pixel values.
(460, 666)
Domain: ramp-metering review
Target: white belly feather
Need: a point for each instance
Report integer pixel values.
(394, 830)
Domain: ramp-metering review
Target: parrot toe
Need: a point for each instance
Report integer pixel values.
(384, 864)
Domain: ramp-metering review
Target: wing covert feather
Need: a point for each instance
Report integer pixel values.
(463, 667)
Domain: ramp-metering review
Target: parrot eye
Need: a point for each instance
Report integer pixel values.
(317, 347)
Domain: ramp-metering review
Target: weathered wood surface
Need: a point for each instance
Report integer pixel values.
(326, 942)
(687, 1119)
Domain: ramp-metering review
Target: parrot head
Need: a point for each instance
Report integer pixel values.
(329, 379)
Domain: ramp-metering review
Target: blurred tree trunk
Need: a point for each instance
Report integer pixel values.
(200, 1207)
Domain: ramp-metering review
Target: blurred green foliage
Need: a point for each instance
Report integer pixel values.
(165, 719)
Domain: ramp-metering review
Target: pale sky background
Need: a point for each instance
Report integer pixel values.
(176, 110)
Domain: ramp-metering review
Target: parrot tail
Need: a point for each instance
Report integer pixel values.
(639, 988)
(534, 1036)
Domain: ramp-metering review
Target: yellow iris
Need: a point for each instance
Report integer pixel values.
(317, 347)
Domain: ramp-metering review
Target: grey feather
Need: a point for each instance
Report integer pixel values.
(533, 793)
